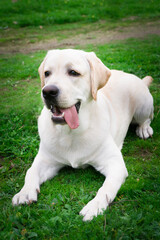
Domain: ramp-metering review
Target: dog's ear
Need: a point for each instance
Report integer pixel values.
(99, 73)
(41, 73)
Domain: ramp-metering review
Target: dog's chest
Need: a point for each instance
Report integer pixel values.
(74, 150)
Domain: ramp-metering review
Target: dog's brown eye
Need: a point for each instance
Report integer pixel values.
(73, 73)
(47, 73)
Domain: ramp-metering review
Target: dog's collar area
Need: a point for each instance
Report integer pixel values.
(66, 115)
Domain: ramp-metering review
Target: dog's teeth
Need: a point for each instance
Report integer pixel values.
(60, 115)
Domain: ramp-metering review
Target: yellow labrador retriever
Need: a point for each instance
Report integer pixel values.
(87, 111)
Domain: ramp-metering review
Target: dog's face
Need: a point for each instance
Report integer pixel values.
(70, 78)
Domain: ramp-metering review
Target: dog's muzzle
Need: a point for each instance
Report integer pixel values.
(60, 115)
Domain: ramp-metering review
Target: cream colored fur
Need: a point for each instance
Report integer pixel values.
(110, 101)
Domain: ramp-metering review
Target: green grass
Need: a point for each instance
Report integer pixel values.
(135, 212)
(26, 21)
(34, 13)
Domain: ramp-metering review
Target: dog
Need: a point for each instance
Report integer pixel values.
(87, 111)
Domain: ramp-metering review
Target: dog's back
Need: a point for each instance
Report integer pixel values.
(130, 99)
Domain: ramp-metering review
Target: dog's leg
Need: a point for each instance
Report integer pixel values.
(114, 169)
(40, 171)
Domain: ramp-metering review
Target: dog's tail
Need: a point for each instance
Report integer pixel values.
(147, 80)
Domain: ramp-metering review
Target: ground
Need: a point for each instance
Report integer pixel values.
(127, 38)
(98, 36)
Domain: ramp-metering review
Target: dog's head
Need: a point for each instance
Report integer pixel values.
(70, 78)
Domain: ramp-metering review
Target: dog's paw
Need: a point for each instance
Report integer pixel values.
(144, 131)
(26, 195)
(95, 207)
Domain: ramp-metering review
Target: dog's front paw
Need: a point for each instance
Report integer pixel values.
(26, 195)
(94, 207)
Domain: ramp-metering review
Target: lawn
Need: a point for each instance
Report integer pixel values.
(135, 213)
(34, 13)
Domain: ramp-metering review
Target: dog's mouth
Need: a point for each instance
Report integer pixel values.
(66, 115)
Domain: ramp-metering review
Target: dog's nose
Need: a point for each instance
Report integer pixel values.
(50, 91)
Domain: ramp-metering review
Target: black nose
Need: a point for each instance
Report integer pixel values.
(50, 91)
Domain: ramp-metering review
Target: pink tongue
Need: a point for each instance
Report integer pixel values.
(71, 117)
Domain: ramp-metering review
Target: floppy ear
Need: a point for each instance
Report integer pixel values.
(99, 73)
(41, 73)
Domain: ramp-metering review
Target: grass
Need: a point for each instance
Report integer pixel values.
(29, 21)
(135, 213)
(34, 13)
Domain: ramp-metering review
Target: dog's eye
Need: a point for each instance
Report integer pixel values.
(73, 73)
(47, 73)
